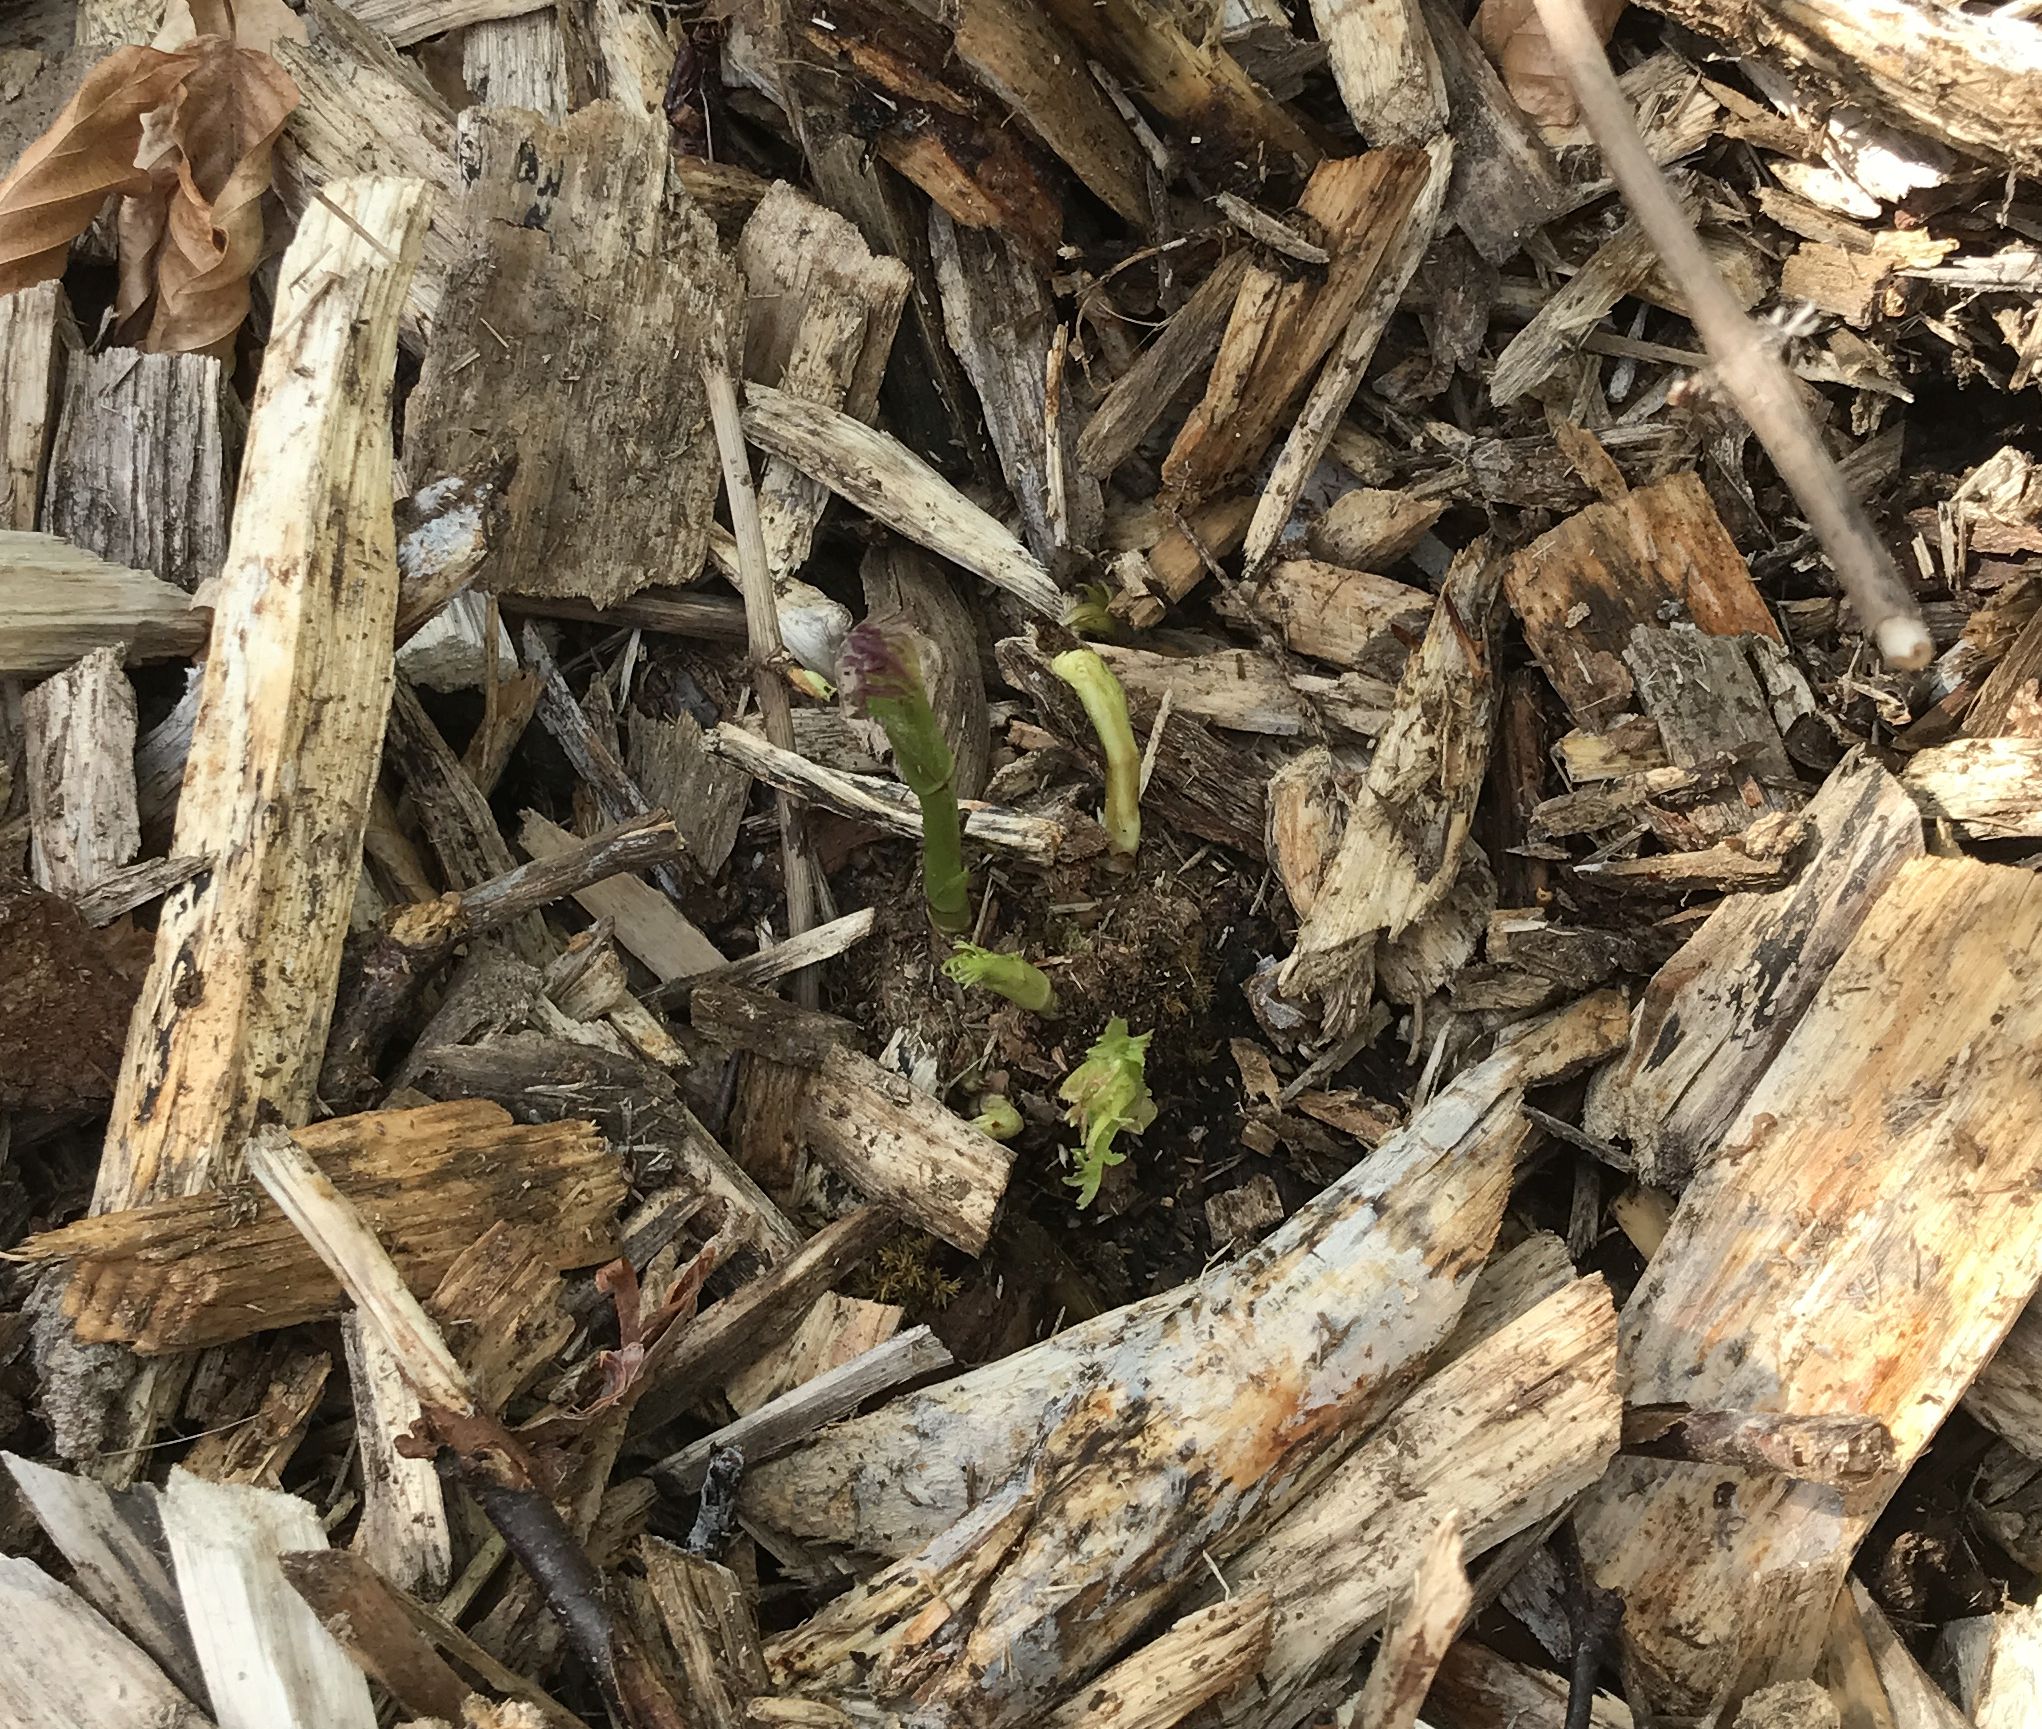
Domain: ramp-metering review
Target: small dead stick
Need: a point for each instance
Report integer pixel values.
(494, 1464)
(1597, 1617)
(769, 653)
(1751, 374)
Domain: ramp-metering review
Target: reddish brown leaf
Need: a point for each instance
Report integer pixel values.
(51, 195)
(191, 241)
(1512, 36)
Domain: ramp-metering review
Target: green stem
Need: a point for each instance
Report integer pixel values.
(882, 673)
(1008, 975)
(1106, 707)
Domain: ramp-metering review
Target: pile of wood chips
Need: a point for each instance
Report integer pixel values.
(460, 1273)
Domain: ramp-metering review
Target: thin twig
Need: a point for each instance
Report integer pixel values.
(1750, 373)
(768, 652)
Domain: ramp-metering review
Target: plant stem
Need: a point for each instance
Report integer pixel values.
(1106, 707)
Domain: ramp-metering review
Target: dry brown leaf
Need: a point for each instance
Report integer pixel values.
(51, 195)
(190, 242)
(1512, 36)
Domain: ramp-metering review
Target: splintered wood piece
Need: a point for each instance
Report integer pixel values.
(1505, 181)
(234, 1013)
(888, 482)
(522, 62)
(1828, 1267)
(1417, 1635)
(1021, 56)
(266, 1658)
(942, 131)
(113, 1541)
(1329, 1319)
(356, 1607)
(582, 278)
(743, 1327)
(1387, 69)
(264, 1423)
(59, 602)
(1141, 395)
(1001, 324)
(1190, 79)
(547, 1079)
(1950, 77)
(646, 921)
(771, 1429)
(396, 1638)
(403, 1531)
(1477, 1689)
(1581, 589)
(1200, 1657)
(1991, 787)
(65, 1664)
(37, 342)
(445, 531)
(1344, 616)
(501, 1304)
(1997, 1662)
(409, 21)
(1239, 690)
(1280, 330)
(1917, 1702)
(666, 755)
(1408, 827)
(711, 1627)
(140, 468)
(2007, 1396)
(79, 755)
(889, 1482)
(1370, 529)
(821, 310)
(1201, 781)
(1621, 265)
(889, 806)
(454, 812)
(1406, 230)
(1501, 1438)
(875, 1128)
(365, 109)
(219, 1265)
(1713, 1018)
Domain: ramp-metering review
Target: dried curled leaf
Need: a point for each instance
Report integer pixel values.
(1512, 36)
(252, 23)
(190, 242)
(53, 192)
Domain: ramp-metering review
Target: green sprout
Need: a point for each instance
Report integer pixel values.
(881, 671)
(997, 1117)
(1091, 612)
(1106, 705)
(1009, 975)
(1107, 1092)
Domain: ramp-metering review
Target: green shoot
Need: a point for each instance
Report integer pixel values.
(1008, 975)
(1091, 612)
(997, 1117)
(1106, 705)
(881, 672)
(1107, 1092)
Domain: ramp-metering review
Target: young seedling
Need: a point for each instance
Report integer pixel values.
(881, 672)
(1107, 1092)
(1106, 706)
(1091, 612)
(997, 1117)
(1009, 975)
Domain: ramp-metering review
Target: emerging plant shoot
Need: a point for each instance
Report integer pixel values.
(1009, 975)
(881, 672)
(1107, 1092)
(997, 1117)
(1106, 706)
